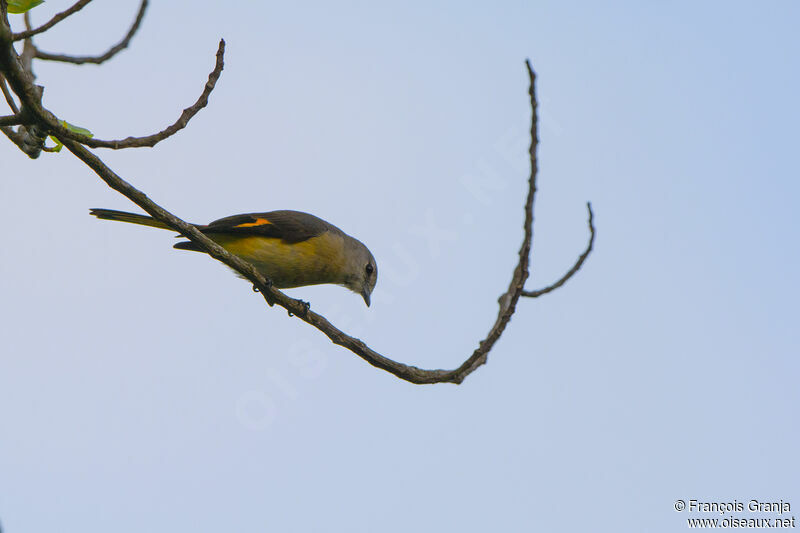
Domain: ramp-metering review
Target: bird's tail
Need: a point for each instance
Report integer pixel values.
(132, 218)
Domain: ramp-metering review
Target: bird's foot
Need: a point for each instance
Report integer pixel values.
(267, 296)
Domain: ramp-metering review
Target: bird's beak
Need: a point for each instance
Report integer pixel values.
(365, 294)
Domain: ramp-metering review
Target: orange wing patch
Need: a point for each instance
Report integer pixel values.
(258, 222)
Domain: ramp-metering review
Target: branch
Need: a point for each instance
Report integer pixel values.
(40, 119)
(577, 266)
(10, 120)
(28, 138)
(30, 96)
(9, 99)
(183, 120)
(80, 60)
(28, 48)
(21, 81)
(52, 22)
(298, 308)
(13, 136)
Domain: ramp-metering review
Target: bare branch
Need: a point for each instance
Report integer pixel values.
(183, 120)
(96, 60)
(39, 119)
(9, 99)
(30, 95)
(20, 81)
(27, 55)
(52, 22)
(10, 120)
(577, 266)
(298, 308)
(13, 136)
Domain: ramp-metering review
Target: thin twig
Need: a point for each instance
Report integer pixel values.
(508, 300)
(96, 60)
(577, 266)
(31, 99)
(52, 22)
(9, 99)
(183, 120)
(28, 48)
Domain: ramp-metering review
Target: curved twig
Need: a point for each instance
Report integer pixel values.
(577, 266)
(96, 60)
(50, 23)
(183, 120)
(30, 97)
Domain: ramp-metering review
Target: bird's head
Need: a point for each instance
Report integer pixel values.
(362, 270)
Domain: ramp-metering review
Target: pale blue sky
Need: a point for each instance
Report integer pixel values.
(145, 389)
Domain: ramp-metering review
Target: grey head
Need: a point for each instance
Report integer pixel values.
(361, 268)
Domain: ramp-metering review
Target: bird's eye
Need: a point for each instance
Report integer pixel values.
(370, 269)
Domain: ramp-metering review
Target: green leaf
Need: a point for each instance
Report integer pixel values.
(76, 129)
(21, 6)
(72, 128)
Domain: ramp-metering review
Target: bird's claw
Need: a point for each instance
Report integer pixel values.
(267, 296)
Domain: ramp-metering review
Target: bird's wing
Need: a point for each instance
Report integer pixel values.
(289, 226)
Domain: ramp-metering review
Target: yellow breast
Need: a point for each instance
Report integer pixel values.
(310, 262)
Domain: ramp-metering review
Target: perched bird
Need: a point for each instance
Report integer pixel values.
(289, 248)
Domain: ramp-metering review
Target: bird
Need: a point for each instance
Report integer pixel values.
(289, 248)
